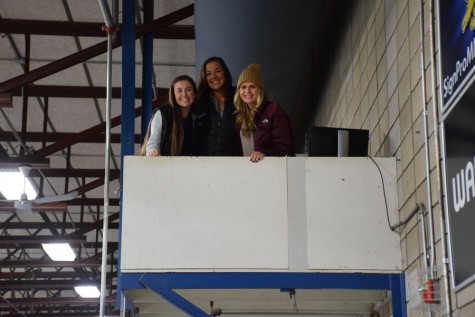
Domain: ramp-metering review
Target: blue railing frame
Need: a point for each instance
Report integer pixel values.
(164, 284)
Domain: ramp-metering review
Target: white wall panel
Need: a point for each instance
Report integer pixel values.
(281, 214)
(347, 220)
(204, 213)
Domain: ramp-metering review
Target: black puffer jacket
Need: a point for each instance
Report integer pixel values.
(217, 135)
(190, 126)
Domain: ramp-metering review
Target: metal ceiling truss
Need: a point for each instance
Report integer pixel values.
(37, 287)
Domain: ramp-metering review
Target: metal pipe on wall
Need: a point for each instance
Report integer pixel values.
(105, 228)
(437, 154)
(426, 134)
(435, 114)
(426, 141)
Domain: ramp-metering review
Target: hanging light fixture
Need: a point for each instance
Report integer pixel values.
(59, 251)
(13, 183)
(87, 291)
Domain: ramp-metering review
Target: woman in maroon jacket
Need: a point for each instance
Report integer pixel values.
(264, 126)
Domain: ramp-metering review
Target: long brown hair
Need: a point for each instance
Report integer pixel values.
(178, 133)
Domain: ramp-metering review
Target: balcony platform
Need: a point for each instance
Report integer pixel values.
(191, 226)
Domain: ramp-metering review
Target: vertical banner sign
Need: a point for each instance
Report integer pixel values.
(457, 47)
(457, 60)
(459, 129)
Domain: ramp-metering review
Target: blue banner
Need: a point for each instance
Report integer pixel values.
(457, 47)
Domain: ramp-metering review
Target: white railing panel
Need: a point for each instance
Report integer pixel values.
(204, 213)
(281, 214)
(347, 220)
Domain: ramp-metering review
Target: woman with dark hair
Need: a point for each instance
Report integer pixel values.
(171, 130)
(263, 125)
(215, 110)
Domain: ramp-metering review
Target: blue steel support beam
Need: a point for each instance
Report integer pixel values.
(147, 71)
(227, 280)
(398, 291)
(161, 288)
(163, 283)
(128, 98)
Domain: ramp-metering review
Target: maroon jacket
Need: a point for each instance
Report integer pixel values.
(273, 135)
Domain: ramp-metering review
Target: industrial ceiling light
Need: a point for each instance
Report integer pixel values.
(87, 291)
(13, 183)
(59, 251)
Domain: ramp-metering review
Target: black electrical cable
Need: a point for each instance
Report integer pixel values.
(384, 192)
(409, 217)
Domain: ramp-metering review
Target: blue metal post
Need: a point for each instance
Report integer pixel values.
(398, 291)
(128, 98)
(147, 71)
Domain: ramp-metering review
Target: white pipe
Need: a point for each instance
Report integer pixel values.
(443, 238)
(108, 19)
(105, 228)
(106, 13)
(430, 273)
(426, 146)
(424, 242)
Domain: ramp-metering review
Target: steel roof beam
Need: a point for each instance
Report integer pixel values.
(88, 245)
(77, 91)
(87, 29)
(10, 240)
(71, 91)
(76, 172)
(79, 137)
(93, 261)
(93, 51)
(58, 136)
(56, 206)
(50, 284)
(41, 225)
(96, 225)
(38, 274)
(93, 185)
(49, 264)
(62, 206)
(93, 201)
(78, 313)
(54, 301)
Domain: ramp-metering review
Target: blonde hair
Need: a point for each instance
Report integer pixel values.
(244, 114)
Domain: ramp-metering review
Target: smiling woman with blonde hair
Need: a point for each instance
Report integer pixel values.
(264, 125)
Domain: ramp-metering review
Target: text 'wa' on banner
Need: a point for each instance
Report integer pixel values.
(459, 131)
(457, 48)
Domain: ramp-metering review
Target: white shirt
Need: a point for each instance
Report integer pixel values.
(155, 139)
(247, 143)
